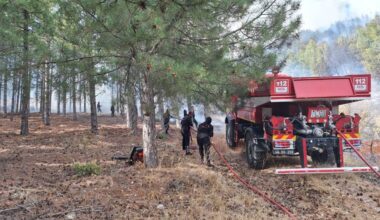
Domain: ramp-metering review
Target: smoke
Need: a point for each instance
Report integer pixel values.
(321, 14)
(345, 7)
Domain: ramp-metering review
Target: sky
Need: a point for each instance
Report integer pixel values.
(320, 14)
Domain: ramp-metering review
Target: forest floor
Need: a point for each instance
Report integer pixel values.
(37, 180)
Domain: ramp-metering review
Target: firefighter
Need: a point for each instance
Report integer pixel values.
(205, 132)
(166, 117)
(186, 125)
(112, 110)
(99, 107)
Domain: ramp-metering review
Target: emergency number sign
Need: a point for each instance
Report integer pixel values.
(281, 86)
(360, 84)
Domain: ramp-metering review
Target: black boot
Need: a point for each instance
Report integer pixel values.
(188, 151)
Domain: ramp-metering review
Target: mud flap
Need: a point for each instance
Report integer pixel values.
(338, 151)
(302, 149)
(331, 155)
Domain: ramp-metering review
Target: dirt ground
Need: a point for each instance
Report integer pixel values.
(37, 180)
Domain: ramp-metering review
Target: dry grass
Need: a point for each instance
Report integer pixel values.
(36, 172)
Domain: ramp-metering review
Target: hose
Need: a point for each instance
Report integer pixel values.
(358, 153)
(253, 188)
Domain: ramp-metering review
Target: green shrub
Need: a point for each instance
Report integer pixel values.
(86, 169)
(162, 136)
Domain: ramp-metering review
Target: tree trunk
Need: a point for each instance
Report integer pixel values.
(43, 93)
(64, 99)
(117, 97)
(130, 91)
(48, 92)
(147, 101)
(113, 92)
(176, 108)
(80, 96)
(140, 87)
(74, 94)
(58, 89)
(18, 95)
(160, 112)
(132, 108)
(123, 108)
(84, 98)
(133, 115)
(59, 98)
(14, 88)
(1, 85)
(37, 91)
(123, 86)
(206, 110)
(123, 102)
(94, 118)
(5, 95)
(25, 77)
(70, 100)
(188, 103)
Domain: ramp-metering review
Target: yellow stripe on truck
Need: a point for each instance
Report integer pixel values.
(348, 136)
(284, 137)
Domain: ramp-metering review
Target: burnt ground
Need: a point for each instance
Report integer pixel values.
(37, 180)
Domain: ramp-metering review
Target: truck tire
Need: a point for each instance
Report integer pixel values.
(256, 156)
(230, 133)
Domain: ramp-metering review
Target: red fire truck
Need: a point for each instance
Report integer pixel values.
(298, 116)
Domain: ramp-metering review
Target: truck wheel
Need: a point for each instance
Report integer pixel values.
(230, 133)
(256, 157)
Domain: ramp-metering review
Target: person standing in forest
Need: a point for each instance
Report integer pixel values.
(112, 110)
(99, 107)
(205, 132)
(166, 117)
(186, 125)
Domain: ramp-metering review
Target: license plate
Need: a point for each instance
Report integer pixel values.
(282, 152)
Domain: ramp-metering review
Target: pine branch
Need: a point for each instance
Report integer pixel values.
(94, 17)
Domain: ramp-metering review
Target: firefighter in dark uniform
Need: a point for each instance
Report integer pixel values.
(112, 110)
(186, 125)
(205, 132)
(166, 117)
